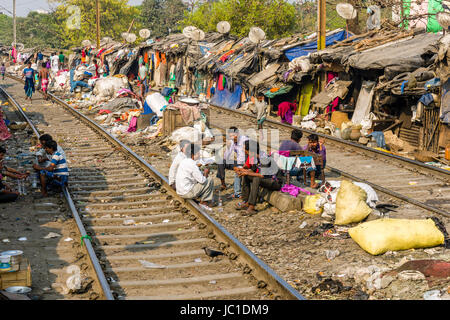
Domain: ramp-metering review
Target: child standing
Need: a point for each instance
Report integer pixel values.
(261, 110)
(316, 146)
(3, 71)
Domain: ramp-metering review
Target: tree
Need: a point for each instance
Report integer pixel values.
(161, 15)
(276, 17)
(75, 25)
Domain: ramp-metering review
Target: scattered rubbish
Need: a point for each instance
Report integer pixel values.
(331, 254)
(23, 239)
(432, 295)
(411, 275)
(333, 286)
(213, 282)
(68, 239)
(321, 229)
(429, 268)
(151, 265)
(304, 224)
(5, 240)
(166, 220)
(129, 222)
(52, 235)
(412, 183)
(212, 253)
(197, 260)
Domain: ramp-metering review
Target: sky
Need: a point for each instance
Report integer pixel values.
(23, 7)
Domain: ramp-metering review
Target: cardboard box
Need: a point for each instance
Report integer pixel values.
(22, 277)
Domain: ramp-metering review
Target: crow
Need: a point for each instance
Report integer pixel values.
(384, 208)
(212, 253)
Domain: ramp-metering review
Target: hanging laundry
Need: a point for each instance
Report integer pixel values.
(221, 82)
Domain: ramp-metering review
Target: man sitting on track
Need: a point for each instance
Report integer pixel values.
(176, 162)
(57, 173)
(258, 171)
(190, 182)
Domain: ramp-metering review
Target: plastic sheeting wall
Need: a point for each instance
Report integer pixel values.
(226, 98)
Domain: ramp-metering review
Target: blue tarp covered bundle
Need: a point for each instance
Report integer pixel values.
(226, 98)
(303, 50)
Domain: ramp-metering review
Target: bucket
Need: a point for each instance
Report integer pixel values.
(5, 263)
(16, 256)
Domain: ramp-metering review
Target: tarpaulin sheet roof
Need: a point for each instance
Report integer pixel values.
(309, 47)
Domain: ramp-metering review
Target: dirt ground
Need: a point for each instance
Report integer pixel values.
(36, 219)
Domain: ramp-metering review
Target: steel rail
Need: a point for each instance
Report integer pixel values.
(84, 236)
(259, 269)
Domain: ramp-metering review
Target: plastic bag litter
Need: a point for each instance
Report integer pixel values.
(106, 88)
(372, 197)
(151, 265)
(382, 235)
(52, 235)
(156, 102)
(74, 281)
(311, 204)
(186, 133)
(308, 125)
(351, 204)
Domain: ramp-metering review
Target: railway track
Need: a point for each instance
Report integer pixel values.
(143, 240)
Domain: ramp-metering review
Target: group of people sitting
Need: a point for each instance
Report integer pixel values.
(252, 167)
(50, 167)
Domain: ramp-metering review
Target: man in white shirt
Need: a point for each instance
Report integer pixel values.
(176, 162)
(190, 182)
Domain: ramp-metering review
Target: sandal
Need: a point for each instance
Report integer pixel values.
(249, 212)
(241, 206)
(233, 196)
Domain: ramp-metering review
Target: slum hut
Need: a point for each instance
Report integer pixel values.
(390, 85)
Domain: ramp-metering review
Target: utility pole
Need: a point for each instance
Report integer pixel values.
(14, 23)
(98, 23)
(321, 36)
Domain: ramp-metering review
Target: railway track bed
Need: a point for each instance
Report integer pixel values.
(149, 243)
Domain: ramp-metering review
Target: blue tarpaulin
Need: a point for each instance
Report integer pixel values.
(226, 98)
(303, 50)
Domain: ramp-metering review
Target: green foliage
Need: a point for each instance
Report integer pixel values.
(161, 15)
(116, 16)
(276, 17)
(34, 30)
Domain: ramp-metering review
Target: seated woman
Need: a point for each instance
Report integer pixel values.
(258, 171)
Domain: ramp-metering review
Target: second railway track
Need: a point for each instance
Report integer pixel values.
(147, 240)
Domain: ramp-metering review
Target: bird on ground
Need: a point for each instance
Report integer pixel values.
(212, 253)
(385, 208)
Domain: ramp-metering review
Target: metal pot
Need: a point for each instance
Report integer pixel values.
(16, 256)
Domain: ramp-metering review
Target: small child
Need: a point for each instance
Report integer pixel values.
(316, 146)
(3, 71)
(261, 110)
